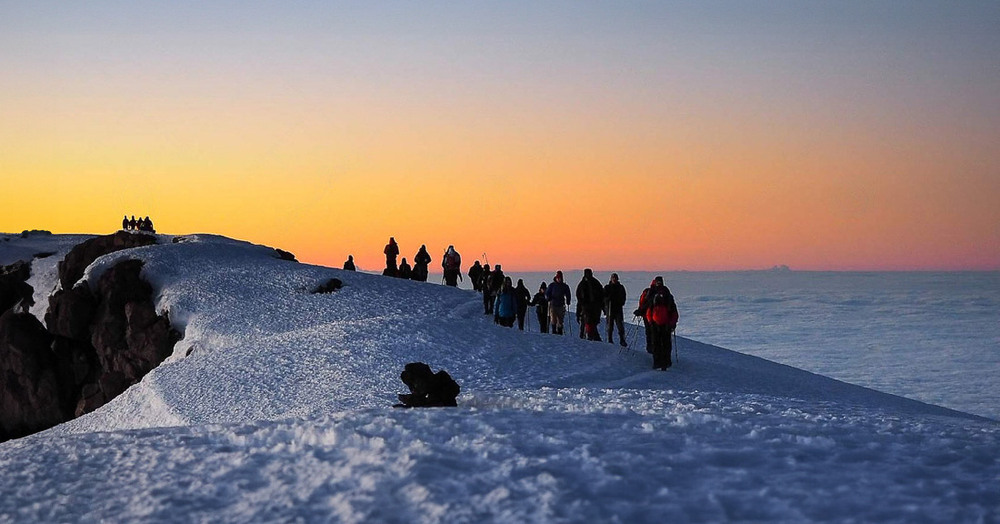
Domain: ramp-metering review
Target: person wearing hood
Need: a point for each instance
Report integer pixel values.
(661, 313)
(505, 307)
(590, 302)
(523, 299)
(558, 295)
(349, 264)
(641, 313)
(391, 252)
(405, 271)
(475, 276)
(420, 264)
(452, 265)
(541, 309)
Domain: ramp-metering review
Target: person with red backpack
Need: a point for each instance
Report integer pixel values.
(452, 265)
(662, 316)
(641, 313)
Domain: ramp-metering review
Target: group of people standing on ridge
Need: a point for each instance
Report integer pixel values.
(451, 262)
(509, 303)
(132, 224)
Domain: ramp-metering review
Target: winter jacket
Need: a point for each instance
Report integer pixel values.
(615, 296)
(540, 301)
(475, 272)
(644, 300)
(590, 296)
(523, 298)
(451, 261)
(661, 308)
(558, 293)
(505, 305)
(422, 258)
(495, 282)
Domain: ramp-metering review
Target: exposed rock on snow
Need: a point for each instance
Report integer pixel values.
(99, 341)
(118, 330)
(72, 267)
(29, 398)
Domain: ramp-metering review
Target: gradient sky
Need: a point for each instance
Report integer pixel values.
(618, 135)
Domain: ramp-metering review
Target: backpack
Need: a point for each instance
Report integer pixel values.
(452, 260)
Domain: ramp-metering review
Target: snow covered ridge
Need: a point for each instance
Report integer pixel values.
(274, 407)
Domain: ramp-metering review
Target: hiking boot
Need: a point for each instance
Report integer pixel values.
(622, 343)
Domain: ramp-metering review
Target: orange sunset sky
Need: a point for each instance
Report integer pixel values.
(617, 135)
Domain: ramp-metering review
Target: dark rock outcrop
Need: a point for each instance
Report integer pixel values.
(14, 287)
(110, 339)
(427, 389)
(97, 343)
(72, 267)
(30, 395)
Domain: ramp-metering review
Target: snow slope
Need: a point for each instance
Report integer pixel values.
(275, 406)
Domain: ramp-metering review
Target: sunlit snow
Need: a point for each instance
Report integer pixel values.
(276, 406)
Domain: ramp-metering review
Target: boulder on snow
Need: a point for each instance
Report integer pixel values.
(284, 255)
(72, 267)
(427, 389)
(329, 286)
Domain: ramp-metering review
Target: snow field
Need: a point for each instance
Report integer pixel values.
(275, 407)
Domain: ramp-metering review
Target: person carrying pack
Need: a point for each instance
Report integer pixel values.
(641, 313)
(662, 316)
(541, 309)
(475, 276)
(505, 308)
(420, 264)
(349, 264)
(452, 265)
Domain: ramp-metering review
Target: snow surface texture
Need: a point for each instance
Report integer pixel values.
(275, 406)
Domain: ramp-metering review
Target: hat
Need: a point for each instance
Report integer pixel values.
(588, 272)
(658, 279)
(558, 275)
